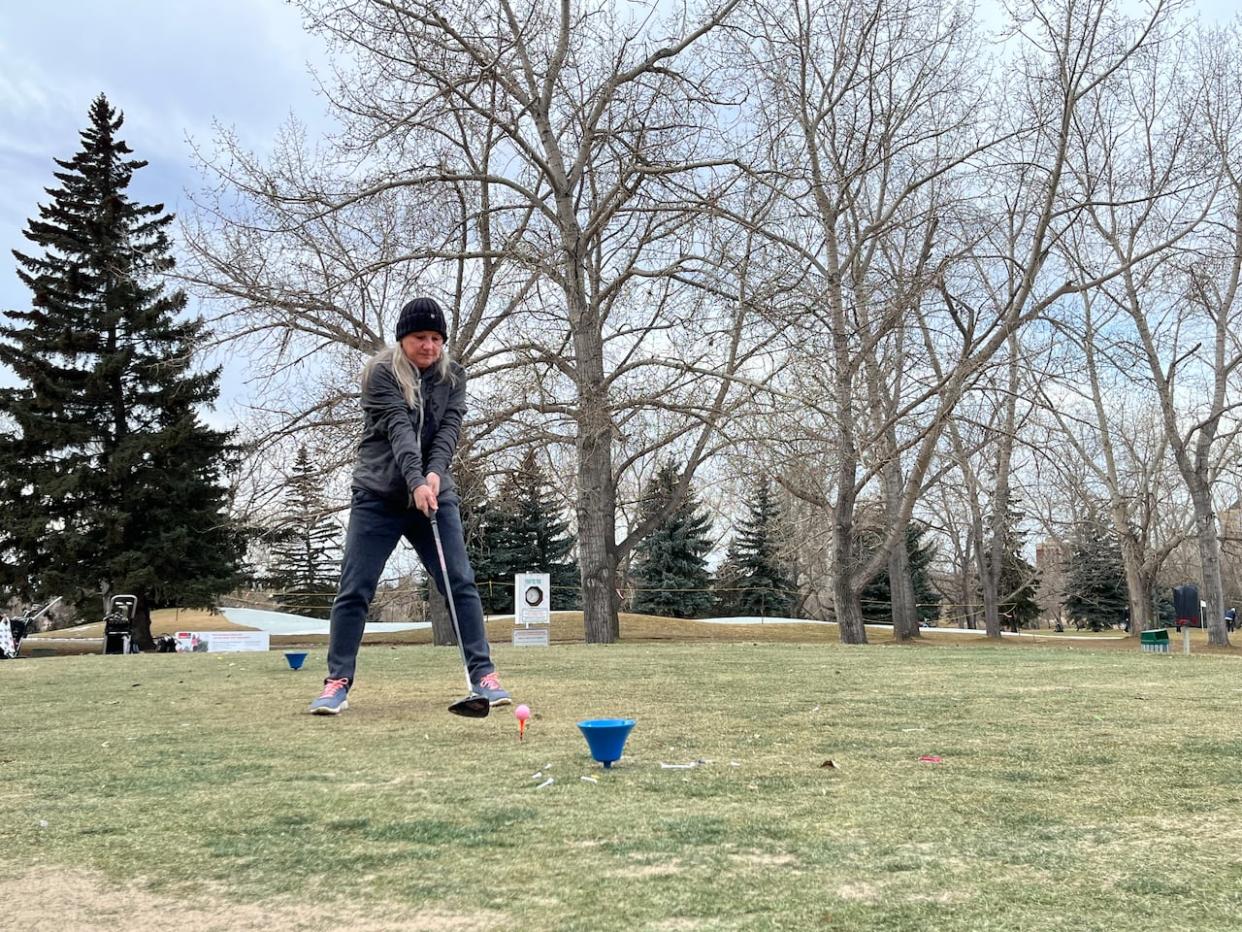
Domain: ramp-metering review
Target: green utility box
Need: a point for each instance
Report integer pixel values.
(1155, 641)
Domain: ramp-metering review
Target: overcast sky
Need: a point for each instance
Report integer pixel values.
(173, 67)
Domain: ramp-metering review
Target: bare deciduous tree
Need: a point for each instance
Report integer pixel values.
(912, 207)
(559, 155)
(1176, 129)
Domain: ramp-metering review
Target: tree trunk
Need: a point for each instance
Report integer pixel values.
(599, 594)
(991, 599)
(848, 611)
(988, 566)
(900, 579)
(142, 622)
(844, 597)
(597, 501)
(901, 594)
(968, 591)
(442, 634)
(1138, 588)
(1213, 592)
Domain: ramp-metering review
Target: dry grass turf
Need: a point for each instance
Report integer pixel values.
(1078, 789)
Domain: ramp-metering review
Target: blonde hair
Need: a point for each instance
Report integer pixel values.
(407, 376)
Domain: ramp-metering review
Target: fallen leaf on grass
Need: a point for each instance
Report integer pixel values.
(830, 764)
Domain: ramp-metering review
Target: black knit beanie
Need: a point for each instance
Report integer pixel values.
(421, 314)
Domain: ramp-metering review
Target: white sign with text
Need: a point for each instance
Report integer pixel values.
(223, 641)
(532, 599)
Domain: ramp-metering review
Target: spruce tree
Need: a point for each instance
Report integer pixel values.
(523, 531)
(1019, 580)
(877, 595)
(669, 569)
(306, 550)
(765, 587)
(1163, 610)
(726, 588)
(1095, 577)
(494, 552)
(109, 482)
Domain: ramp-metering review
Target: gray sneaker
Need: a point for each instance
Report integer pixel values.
(332, 700)
(489, 688)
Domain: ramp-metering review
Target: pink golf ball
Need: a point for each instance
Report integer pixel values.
(522, 713)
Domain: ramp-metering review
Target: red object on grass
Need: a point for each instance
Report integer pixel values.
(930, 759)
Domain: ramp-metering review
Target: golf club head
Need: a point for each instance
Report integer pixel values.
(471, 707)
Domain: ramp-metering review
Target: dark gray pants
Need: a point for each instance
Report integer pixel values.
(375, 527)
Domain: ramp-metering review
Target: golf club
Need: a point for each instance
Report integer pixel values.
(472, 706)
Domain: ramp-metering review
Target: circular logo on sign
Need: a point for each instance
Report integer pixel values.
(534, 596)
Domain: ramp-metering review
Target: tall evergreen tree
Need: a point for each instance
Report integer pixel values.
(524, 531)
(306, 550)
(1019, 580)
(494, 552)
(764, 585)
(670, 567)
(109, 482)
(1163, 610)
(877, 595)
(1095, 577)
(726, 587)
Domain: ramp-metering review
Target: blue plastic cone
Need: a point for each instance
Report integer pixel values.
(606, 737)
(296, 658)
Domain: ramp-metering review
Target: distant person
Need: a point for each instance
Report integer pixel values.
(413, 404)
(1231, 619)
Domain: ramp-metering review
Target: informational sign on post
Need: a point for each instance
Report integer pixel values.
(532, 600)
(532, 609)
(223, 641)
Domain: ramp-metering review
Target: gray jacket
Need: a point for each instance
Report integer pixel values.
(392, 458)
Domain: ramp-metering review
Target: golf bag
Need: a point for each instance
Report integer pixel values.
(14, 628)
(119, 626)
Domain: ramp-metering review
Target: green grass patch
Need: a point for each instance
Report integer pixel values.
(1077, 789)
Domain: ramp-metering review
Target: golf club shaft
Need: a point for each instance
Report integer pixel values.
(448, 595)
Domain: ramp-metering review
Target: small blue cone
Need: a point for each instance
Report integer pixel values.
(296, 658)
(606, 737)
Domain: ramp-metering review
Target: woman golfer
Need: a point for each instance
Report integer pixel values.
(413, 402)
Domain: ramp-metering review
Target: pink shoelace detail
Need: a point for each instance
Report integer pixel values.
(491, 681)
(332, 687)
